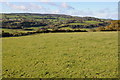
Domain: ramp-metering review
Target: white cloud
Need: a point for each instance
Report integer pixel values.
(104, 10)
(29, 7)
(60, 6)
(65, 5)
(17, 7)
(2, 0)
(81, 12)
(56, 11)
(44, 0)
(106, 13)
(34, 6)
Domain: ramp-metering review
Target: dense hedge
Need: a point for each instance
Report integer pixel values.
(6, 34)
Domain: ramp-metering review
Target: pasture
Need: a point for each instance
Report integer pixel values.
(61, 55)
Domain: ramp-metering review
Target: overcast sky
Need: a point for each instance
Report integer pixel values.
(93, 9)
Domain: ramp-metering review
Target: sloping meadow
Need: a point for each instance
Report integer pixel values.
(61, 55)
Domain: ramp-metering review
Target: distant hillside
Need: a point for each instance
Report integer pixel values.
(18, 24)
(114, 25)
(25, 20)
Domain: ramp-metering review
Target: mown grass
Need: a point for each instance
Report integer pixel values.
(61, 55)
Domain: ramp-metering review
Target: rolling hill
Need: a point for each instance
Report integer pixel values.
(19, 23)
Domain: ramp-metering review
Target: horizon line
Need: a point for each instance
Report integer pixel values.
(54, 14)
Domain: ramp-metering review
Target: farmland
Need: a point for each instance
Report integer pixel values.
(61, 55)
(30, 22)
(21, 24)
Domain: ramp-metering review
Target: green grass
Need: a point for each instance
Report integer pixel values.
(87, 29)
(92, 22)
(35, 28)
(15, 30)
(61, 55)
(68, 28)
(77, 24)
(85, 23)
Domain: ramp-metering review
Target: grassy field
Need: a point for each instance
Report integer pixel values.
(93, 22)
(86, 22)
(15, 30)
(61, 55)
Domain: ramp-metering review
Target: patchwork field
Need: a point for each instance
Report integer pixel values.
(61, 55)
